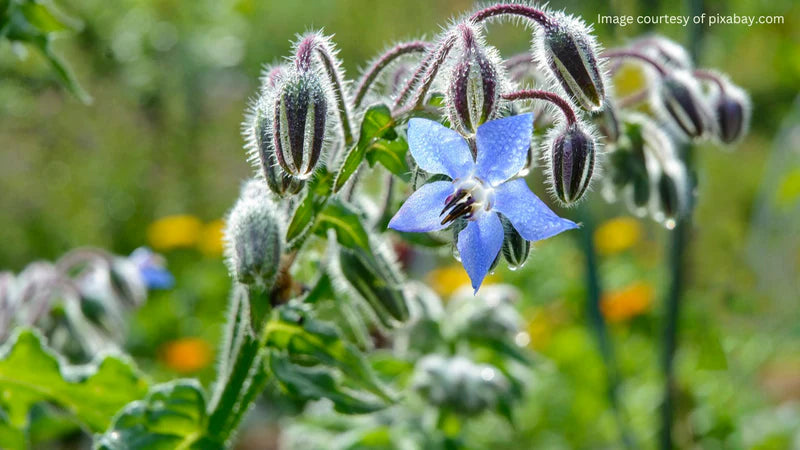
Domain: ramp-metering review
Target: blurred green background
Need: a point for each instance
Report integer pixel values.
(171, 79)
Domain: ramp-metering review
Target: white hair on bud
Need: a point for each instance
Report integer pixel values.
(574, 25)
(664, 50)
(657, 102)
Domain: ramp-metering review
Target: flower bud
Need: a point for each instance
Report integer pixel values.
(279, 182)
(670, 191)
(572, 156)
(515, 247)
(567, 47)
(665, 51)
(473, 91)
(680, 101)
(298, 124)
(460, 385)
(732, 114)
(254, 236)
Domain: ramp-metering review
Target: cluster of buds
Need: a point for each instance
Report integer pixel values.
(690, 104)
(288, 126)
(56, 298)
(254, 236)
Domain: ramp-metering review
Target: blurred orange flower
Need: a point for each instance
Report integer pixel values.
(446, 280)
(616, 235)
(177, 231)
(211, 238)
(631, 301)
(186, 355)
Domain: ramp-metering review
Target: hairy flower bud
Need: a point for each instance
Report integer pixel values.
(279, 182)
(515, 247)
(665, 51)
(473, 87)
(680, 101)
(567, 47)
(254, 236)
(572, 157)
(299, 123)
(732, 113)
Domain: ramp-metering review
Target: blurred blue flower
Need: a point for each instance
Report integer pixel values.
(480, 188)
(152, 268)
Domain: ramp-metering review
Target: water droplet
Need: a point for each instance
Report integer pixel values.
(670, 224)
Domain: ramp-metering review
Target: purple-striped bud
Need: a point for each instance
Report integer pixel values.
(473, 87)
(516, 248)
(568, 48)
(572, 158)
(732, 114)
(298, 126)
(279, 182)
(680, 101)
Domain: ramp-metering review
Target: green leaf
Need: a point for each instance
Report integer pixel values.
(31, 373)
(377, 123)
(317, 194)
(294, 330)
(392, 155)
(172, 416)
(315, 383)
(344, 219)
(45, 17)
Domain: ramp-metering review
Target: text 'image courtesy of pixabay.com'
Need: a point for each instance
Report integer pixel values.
(399, 225)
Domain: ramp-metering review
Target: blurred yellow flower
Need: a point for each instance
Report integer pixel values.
(616, 235)
(186, 355)
(629, 79)
(211, 238)
(446, 280)
(177, 231)
(631, 301)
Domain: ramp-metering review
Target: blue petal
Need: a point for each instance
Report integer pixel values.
(438, 149)
(503, 146)
(478, 244)
(529, 215)
(421, 212)
(157, 278)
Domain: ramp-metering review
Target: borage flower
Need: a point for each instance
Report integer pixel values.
(480, 189)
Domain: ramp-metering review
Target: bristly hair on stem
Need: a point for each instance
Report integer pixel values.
(537, 94)
(384, 61)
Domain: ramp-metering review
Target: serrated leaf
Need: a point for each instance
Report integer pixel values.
(344, 219)
(293, 329)
(172, 416)
(392, 155)
(315, 383)
(377, 123)
(31, 373)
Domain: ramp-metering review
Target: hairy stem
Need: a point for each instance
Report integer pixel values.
(433, 70)
(381, 63)
(633, 54)
(514, 9)
(711, 76)
(536, 94)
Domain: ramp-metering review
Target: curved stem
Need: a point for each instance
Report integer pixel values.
(433, 69)
(512, 9)
(598, 325)
(612, 54)
(415, 78)
(537, 94)
(381, 63)
(709, 75)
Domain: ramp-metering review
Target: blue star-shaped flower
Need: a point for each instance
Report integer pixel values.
(480, 189)
(152, 269)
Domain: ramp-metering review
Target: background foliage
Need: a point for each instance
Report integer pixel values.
(170, 80)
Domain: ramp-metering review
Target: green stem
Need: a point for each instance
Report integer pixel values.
(598, 325)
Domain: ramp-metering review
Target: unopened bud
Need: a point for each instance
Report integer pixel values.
(515, 247)
(732, 113)
(299, 123)
(569, 50)
(473, 91)
(681, 102)
(278, 181)
(665, 51)
(254, 236)
(670, 188)
(572, 157)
